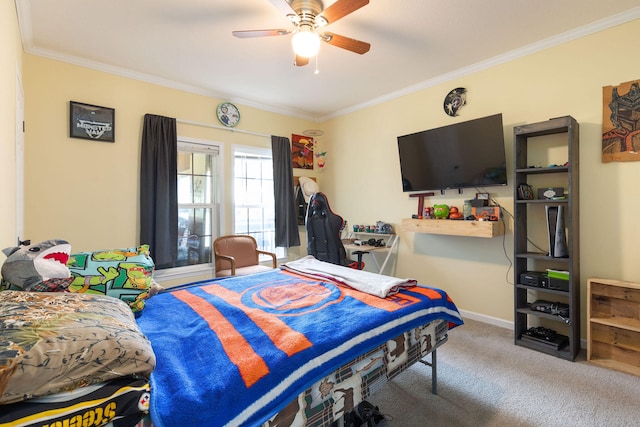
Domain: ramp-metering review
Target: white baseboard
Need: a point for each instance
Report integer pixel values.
(499, 322)
(486, 319)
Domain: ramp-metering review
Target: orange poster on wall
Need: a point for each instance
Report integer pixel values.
(302, 151)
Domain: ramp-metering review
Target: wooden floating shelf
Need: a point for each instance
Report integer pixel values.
(486, 229)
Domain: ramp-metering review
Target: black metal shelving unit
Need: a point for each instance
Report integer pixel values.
(526, 213)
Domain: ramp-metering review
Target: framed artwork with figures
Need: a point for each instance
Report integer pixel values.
(92, 122)
(621, 122)
(302, 151)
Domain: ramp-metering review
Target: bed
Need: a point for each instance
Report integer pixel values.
(71, 360)
(284, 347)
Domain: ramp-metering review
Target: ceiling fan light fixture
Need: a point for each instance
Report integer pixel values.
(306, 42)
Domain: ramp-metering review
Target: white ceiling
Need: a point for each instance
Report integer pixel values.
(188, 44)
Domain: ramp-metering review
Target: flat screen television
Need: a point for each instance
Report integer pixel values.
(463, 155)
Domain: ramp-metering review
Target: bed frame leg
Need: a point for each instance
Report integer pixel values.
(434, 363)
(434, 370)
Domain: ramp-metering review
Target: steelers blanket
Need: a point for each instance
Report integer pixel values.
(235, 351)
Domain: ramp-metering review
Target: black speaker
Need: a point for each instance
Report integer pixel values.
(557, 234)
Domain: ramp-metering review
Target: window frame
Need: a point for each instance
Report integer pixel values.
(202, 146)
(281, 252)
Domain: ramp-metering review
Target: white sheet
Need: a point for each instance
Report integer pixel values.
(364, 281)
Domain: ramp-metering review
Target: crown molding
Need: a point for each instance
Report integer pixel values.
(24, 22)
(594, 27)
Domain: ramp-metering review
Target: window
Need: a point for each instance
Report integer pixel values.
(199, 185)
(254, 204)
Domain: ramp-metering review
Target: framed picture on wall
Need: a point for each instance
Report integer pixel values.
(620, 110)
(302, 151)
(91, 122)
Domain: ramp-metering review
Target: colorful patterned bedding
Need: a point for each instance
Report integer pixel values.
(58, 343)
(340, 392)
(122, 402)
(236, 351)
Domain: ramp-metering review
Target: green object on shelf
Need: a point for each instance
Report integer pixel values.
(558, 274)
(441, 211)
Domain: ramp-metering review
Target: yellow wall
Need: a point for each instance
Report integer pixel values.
(362, 166)
(10, 65)
(86, 191)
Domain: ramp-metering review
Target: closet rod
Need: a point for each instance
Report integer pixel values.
(209, 125)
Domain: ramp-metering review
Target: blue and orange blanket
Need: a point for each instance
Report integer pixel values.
(236, 351)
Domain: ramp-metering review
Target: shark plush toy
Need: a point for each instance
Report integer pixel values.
(38, 267)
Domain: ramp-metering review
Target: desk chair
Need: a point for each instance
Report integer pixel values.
(323, 229)
(238, 254)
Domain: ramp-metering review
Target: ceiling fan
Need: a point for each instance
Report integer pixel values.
(308, 16)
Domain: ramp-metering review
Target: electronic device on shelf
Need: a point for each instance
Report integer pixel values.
(486, 213)
(558, 279)
(545, 336)
(535, 278)
(555, 308)
(377, 243)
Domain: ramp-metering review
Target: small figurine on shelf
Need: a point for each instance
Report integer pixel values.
(441, 211)
(454, 213)
(428, 213)
(383, 227)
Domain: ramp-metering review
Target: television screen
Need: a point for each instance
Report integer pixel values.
(462, 155)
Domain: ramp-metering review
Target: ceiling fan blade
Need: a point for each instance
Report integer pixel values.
(300, 61)
(347, 43)
(342, 8)
(260, 33)
(283, 6)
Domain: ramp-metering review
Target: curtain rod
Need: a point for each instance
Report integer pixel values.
(209, 125)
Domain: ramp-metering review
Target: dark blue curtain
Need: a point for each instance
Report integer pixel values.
(158, 189)
(286, 217)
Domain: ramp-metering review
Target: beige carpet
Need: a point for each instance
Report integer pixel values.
(485, 380)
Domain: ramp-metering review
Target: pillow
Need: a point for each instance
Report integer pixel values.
(38, 267)
(58, 341)
(125, 274)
